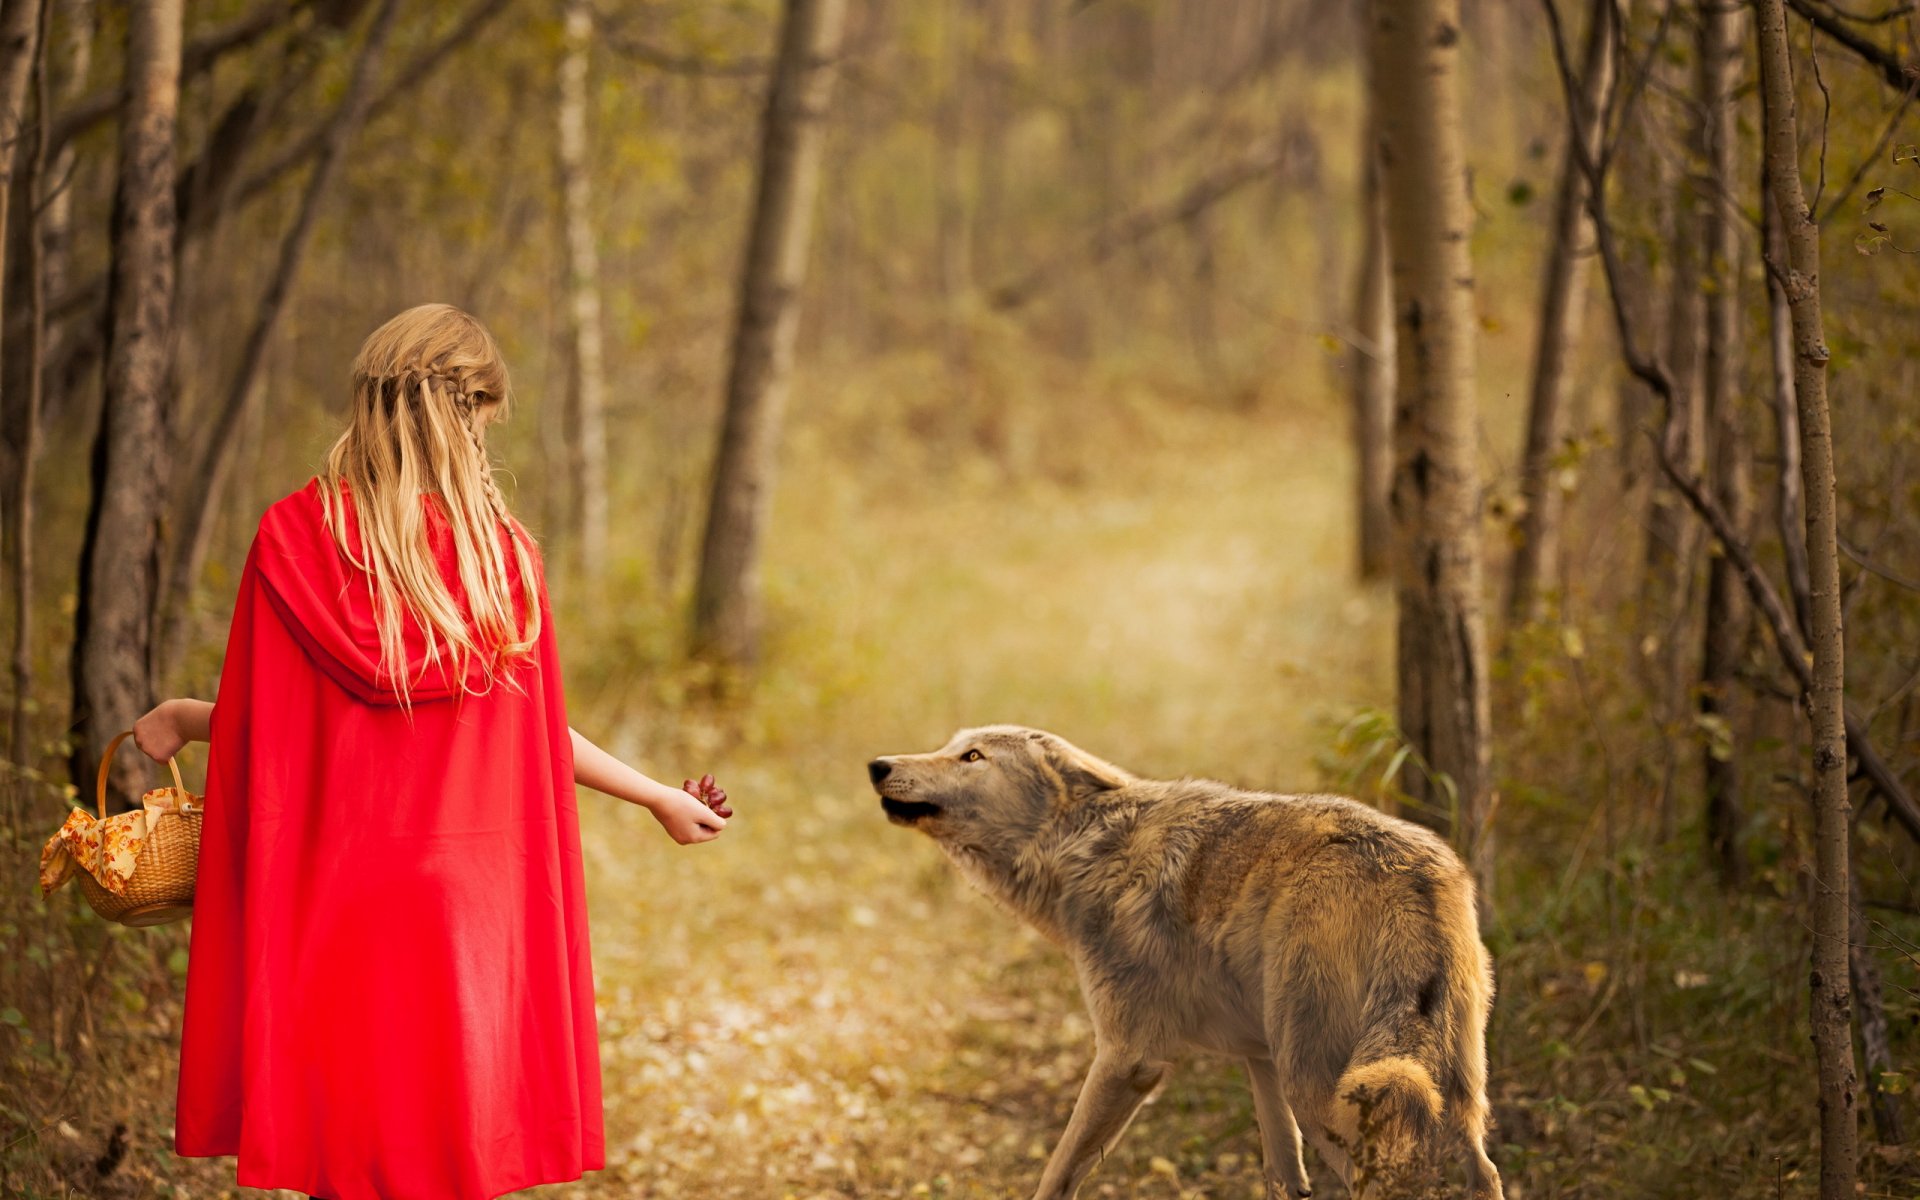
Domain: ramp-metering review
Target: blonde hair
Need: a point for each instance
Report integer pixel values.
(425, 386)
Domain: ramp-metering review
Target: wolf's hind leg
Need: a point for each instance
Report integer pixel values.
(1279, 1133)
(1116, 1086)
(1483, 1178)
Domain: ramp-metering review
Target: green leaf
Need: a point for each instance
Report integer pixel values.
(12, 1016)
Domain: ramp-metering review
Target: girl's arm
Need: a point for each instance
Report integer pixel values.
(686, 819)
(170, 725)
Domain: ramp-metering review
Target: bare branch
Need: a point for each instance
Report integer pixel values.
(1650, 370)
(208, 481)
(407, 77)
(1898, 75)
(628, 46)
(196, 57)
(1256, 163)
(1792, 647)
(1872, 567)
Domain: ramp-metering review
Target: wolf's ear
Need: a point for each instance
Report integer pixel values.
(1084, 774)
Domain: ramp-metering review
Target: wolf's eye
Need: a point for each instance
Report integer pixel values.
(972, 756)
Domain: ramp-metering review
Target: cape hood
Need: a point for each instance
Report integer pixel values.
(327, 602)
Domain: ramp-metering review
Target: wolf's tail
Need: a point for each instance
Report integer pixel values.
(1419, 1065)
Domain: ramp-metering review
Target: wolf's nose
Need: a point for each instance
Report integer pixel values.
(879, 769)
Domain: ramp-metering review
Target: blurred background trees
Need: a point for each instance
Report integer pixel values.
(1412, 398)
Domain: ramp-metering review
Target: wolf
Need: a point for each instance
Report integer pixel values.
(1333, 949)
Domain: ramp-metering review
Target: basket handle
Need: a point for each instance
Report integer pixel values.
(106, 763)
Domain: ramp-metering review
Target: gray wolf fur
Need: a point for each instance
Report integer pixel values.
(1334, 949)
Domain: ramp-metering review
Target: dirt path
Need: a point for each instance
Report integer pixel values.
(815, 1005)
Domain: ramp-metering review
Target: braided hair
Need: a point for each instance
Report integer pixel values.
(425, 385)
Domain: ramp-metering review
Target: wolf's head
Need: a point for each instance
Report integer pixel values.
(990, 789)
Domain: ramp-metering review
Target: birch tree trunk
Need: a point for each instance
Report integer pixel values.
(726, 615)
(586, 423)
(120, 563)
(1871, 1007)
(1536, 557)
(23, 413)
(1372, 362)
(1832, 1009)
(1790, 510)
(19, 43)
(1717, 61)
(1436, 484)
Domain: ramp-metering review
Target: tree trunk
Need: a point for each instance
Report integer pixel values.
(20, 26)
(726, 617)
(113, 669)
(73, 49)
(1536, 556)
(1871, 1006)
(953, 226)
(1372, 359)
(1790, 507)
(208, 484)
(24, 420)
(586, 422)
(1717, 62)
(1670, 592)
(1832, 1008)
(1671, 535)
(1639, 279)
(19, 42)
(1436, 484)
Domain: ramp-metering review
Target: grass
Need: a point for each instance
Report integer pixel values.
(816, 1006)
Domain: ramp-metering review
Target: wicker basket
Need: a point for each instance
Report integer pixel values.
(161, 886)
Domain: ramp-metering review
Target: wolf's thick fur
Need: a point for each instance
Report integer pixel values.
(1332, 948)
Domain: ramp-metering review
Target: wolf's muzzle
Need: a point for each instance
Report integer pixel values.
(907, 812)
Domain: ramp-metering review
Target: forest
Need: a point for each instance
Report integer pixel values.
(1502, 412)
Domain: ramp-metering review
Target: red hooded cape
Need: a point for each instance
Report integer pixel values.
(389, 992)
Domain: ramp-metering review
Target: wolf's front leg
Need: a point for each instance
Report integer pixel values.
(1279, 1133)
(1116, 1086)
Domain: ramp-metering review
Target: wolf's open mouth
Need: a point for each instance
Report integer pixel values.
(908, 810)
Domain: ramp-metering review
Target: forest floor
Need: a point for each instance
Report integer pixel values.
(816, 1005)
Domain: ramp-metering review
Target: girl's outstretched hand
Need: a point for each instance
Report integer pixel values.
(709, 793)
(686, 819)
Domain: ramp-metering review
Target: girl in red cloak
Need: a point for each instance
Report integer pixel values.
(389, 992)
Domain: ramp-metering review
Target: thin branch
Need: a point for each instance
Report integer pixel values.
(1879, 18)
(1257, 163)
(409, 76)
(196, 57)
(1870, 159)
(1650, 370)
(88, 294)
(1869, 565)
(208, 481)
(1792, 647)
(630, 47)
(1826, 121)
(1898, 75)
